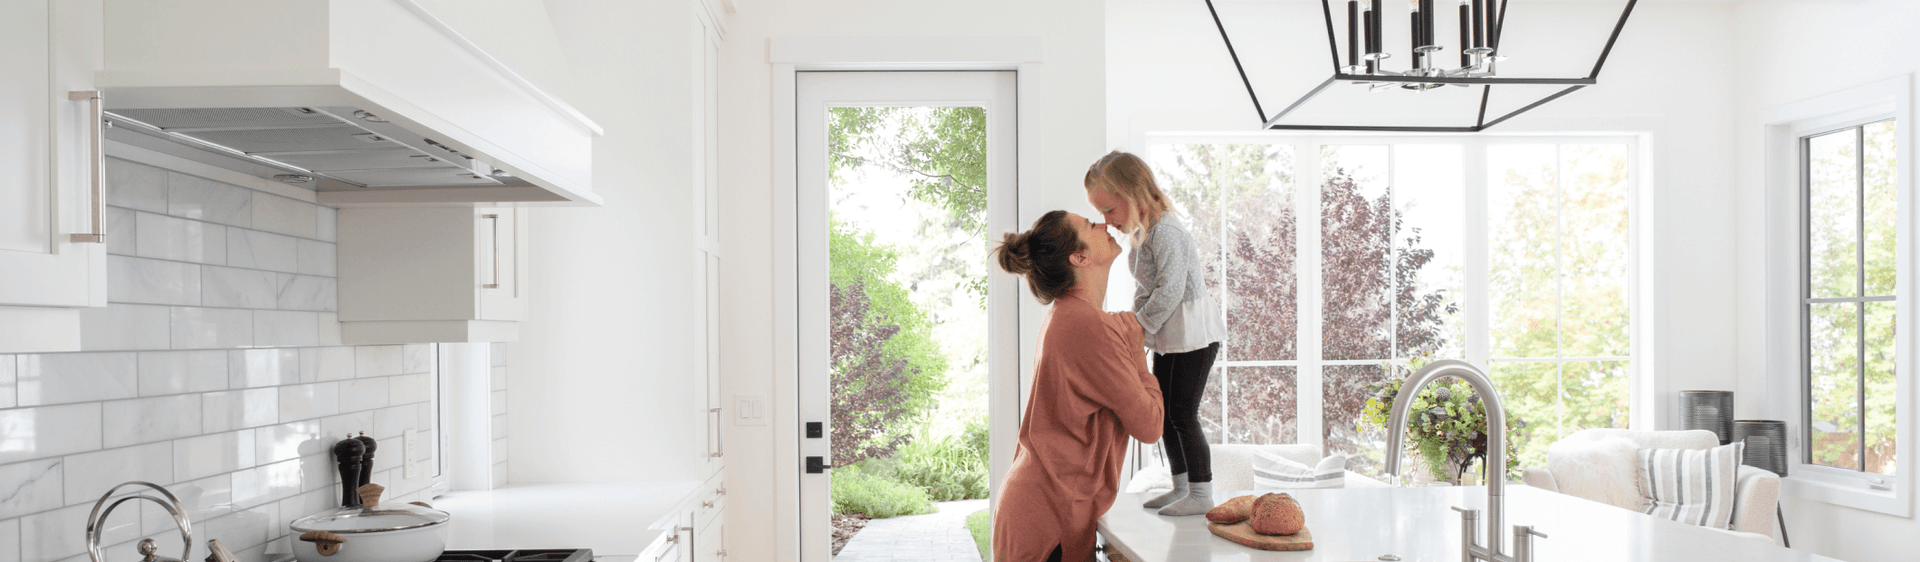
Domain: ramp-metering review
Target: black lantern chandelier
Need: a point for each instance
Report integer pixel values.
(1366, 64)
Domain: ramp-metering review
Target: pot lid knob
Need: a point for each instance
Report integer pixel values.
(370, 494)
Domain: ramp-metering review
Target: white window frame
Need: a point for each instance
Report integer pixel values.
(1783, 127)
(1475, 259)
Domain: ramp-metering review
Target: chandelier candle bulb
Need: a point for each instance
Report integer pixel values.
(1479, 26)
(1372, 39)
(1376, 30)
(1426, 22)
(1465, 37)
(1353, 33)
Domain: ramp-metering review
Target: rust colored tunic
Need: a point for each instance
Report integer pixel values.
(1091, 390)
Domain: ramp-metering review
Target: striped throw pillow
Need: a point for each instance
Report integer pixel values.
(1692, 486)
(1274, 472)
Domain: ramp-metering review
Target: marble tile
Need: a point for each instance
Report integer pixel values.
(352, 423)
(10, 540)
(326, 363)
(499, 402)
(306, 292)
(364, 394)
(286, 328)
(207, 455)
(274, 213)
(254, 368)
(30, 487)
(239, 409)
(175, 372)
(146, 281)
(242, 530)
(203, 199)
(306, 503)
(145, 420)
(52, 535)
(320, 475)
(411, 388)
(136, 186)
(499, 378)
(423, 453)
(416, 358)
(318, 258)
(426, 420)
(309, 401)
(8, 398)
(122, 233)
(498, 354)
(90, 474)
(239, 288)
(206, 328)
(262, 250)
(393, 421)
(388, 455)
(329, 328)
(66, 378)
(266, 483)
(378, 360)
(329, 219)
(178, 239)
(290, 441)
(125, 327)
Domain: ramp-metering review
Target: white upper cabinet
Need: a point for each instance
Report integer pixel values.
(367, 102)
(432, 274)
(52, 250)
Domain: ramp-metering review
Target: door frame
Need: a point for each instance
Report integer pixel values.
(790, 56)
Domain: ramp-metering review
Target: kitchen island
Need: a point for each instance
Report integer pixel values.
(612, 518)
(1415, 524)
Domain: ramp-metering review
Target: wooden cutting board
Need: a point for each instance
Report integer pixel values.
(1243, 534)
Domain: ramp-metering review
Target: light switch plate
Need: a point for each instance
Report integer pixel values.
(407, 445)
(750, 409)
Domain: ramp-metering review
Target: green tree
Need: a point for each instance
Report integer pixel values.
(886, 369)
(944, 150)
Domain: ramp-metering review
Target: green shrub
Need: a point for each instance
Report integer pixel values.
(980, 523)
(950, 467)
(855, 490)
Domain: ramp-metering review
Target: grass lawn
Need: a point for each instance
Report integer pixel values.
(980, 524)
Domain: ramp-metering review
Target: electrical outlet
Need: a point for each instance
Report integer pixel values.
(408, 466)
(750, 409)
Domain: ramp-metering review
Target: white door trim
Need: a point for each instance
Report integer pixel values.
(789, 56)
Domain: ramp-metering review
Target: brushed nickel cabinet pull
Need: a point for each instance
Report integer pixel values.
(496, 251)
(720, 437)
(97, 167)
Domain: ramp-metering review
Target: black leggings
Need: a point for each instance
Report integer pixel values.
(1183, 379)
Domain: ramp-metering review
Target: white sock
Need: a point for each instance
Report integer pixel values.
(1179, 491)
(1199, 499)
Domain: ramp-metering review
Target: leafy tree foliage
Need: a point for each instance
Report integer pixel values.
(945, 151)
(886, 369)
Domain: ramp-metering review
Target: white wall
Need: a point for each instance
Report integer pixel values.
(1792, 51)
(1667, 78)
(1068, 114)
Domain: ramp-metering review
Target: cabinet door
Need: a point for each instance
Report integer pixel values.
(502, 247)
(711, 544)
(46, 158)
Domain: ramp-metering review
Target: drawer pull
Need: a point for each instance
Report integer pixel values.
(97, 166)
(495, 219)
(708, 503)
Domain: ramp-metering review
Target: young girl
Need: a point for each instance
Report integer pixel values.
(1183, 324)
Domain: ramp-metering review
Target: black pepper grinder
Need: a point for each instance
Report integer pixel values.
(366, 461)
(348, 453)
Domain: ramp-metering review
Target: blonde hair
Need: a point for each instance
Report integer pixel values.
(1127, 176)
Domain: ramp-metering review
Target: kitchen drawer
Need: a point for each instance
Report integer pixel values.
(710, 542)
(710, 501)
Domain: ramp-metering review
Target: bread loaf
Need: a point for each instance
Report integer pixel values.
(1276, 514)
(1231, 511)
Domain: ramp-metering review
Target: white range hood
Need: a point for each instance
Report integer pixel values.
(374, 102)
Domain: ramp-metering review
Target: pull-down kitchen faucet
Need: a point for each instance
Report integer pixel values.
(1496, 461)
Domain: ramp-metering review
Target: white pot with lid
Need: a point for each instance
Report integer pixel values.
(372, 533)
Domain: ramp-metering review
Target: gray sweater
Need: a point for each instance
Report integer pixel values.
(1170, 291)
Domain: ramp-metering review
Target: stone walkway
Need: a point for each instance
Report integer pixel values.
(934, 537)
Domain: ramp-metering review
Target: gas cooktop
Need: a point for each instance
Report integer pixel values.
(518, 555)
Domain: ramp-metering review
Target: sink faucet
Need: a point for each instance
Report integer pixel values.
(1496, 461)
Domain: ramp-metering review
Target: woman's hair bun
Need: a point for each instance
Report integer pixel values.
(1043, 255)
(1013, 253)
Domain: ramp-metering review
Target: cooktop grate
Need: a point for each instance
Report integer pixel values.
(518, 555)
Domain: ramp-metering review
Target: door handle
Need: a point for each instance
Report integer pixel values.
(97, 167)
(816, 465)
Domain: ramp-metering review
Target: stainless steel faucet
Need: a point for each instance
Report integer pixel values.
(1496, 461)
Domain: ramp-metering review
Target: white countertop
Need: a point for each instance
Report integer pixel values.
(1414, 523)
(612, 518)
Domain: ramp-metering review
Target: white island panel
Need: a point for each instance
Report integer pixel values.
(612, 518)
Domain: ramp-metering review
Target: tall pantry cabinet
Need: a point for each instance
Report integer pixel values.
(52, 220)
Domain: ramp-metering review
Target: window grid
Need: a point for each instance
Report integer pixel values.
(1859, 300)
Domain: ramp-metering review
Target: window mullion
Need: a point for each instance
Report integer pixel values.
(1477, 304)
(1309, 405)
(1860, 290)
(1559, 286)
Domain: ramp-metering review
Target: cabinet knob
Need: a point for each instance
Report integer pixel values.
(708, 503)
(720, 492)
(722, 553)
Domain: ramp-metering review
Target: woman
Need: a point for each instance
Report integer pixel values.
(1091, 390)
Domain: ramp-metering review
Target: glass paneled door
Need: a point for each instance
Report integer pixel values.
(908, 338)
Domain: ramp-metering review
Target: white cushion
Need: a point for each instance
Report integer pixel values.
(1276, 472)
(1600, 470)
(1691, 486)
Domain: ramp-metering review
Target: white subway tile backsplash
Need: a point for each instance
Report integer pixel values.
(289, 441)
(408, 389)
(328, 219)
(309, 401)
(204, 328)
(266, 483)
(262, 250)
(136, 186)
(317, 258)
(145, 420)
(139, 280)
(394, 420)
(121, 232)
(254, 368)
(306, 292)
(178, 239)
(120, 327)
(305, 503)
(218, 453)
(364, 394)
(416, 358)
(335, 428)
(49, 536)
(10, 540)
(242, 530)
(326, 364)
(390, 453)
(274, 213)
(238, 409)
(238, 288)
(48, 431)
(7, 396)
(66, 378)
(88, 475)
(377, 360)
(286, 328)
(30, 487)
(175, 372)
(329, 328)
(206, 498)
(320, 475)
(203, 199)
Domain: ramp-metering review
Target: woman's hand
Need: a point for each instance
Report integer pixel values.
(1135, 334)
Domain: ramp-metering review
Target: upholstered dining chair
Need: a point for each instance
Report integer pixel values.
(1602, 465)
